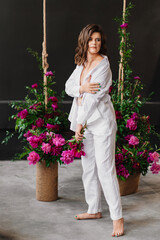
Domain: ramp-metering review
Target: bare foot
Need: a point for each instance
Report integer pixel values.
(118, 227)
(84, 216)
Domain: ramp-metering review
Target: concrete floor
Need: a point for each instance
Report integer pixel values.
(22, 217)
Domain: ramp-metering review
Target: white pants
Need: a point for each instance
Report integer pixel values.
(99, 170)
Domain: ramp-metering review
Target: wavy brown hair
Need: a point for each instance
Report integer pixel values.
(85, 34)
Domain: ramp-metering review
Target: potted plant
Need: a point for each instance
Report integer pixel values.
(39, 125)
(134, 152)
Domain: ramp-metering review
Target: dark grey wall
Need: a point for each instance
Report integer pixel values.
(21, 27)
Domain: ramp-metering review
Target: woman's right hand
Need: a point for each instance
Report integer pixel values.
(90, 87)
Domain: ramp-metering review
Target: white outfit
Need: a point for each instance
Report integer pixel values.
(99, 143)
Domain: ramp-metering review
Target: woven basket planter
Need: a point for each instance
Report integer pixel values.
(46, 182)
(130, 185)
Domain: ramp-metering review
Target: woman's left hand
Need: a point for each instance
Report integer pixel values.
(78, 134)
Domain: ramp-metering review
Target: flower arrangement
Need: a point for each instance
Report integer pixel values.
(134, 152)
(38, 125)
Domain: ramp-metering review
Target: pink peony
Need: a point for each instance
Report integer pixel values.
(110, 89)
(118, 114)
(54, 106)
(134, 140)
(67, 157)
(46, 148)
(33, 158)
(124, 25)
(154, 156)
(155, 168)
(128, 137)
(53, 99)
(131, 124)
(35, 85)
(50, 73)
(57, 141)
(53, 127)
(55, 151)
(122, 171)
(23, 114)
(28, 134)
(137, 77)
(35, 141)
(134, 116)
(48, 115)
(39, 122)
(77, 153)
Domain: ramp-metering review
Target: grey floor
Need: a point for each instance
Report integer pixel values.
(22, 217)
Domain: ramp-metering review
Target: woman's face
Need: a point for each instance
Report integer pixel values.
(94, 43)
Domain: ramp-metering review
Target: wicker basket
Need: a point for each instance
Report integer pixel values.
(130, 185)
(46, 182)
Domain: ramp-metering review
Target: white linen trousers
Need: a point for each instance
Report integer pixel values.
(99, 171)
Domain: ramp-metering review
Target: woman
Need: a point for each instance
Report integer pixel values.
(89, 85)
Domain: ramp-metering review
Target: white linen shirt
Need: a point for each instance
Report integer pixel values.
(93, 106)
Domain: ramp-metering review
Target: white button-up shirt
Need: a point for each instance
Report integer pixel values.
(93, 106)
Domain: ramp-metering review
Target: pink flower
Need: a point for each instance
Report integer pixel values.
(23, 114)
(48, 115)
(67, 157)
(134, 140)
(28, 134)
(137, 77)
(124, 25)
(33, 158)
(128, 137)
(155, 168)
(55, 151)
(154, 156)
(39, 122)
(110, 89)
(50, 73)
(35, 141)
(76, 153)
(53, 127)
(58, 141)
(35, 85)
(122, 171)
(131, 124)
(134, 116)
(46, 147)
(54, 106)
(34, 106)
(118, 114)
(34, 127)
(53, 99)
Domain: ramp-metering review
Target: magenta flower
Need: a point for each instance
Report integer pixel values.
(48, 74)
(131, 124)
(54, 106)
(55, 151)
(118, 114)
(23, 114)
(35, 141)
(124, 25)
(110, 89)
(134, 140)
(58, 141)
(33, 158)
(128, 137)
(28, 134)
(76, 153)
(137, 77)
(53, 127)
(53, 99)
(67, 157)
(34, 106)
(155, 168)
(154, 156)
(134, 116)
(46, 148)
(39, 122)
(122, 171)
(35, 85)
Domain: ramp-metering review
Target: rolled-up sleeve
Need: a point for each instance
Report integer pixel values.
(90, 101)
(71, 87)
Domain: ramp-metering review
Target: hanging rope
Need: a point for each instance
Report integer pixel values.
(121, 67)
(45, 65)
